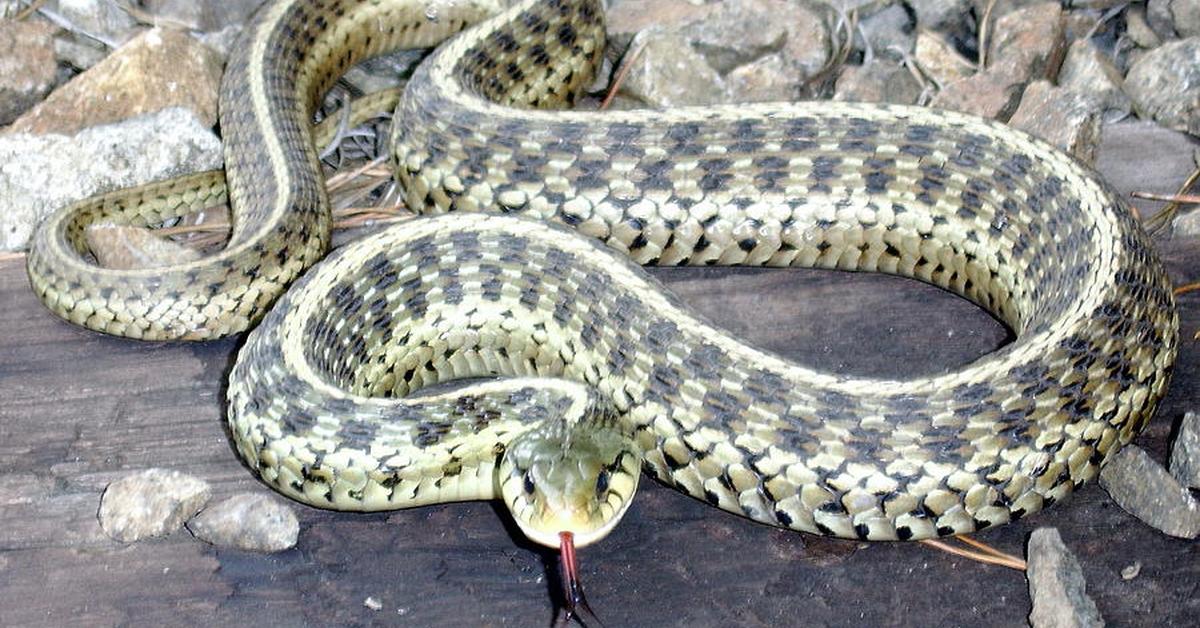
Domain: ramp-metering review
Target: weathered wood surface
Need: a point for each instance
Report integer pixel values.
(78, 410)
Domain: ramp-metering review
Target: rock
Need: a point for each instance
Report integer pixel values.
(159, 69)
(939, 60)
(1056, 585)
(1088, 72)
(1185, 453)
(1079, 24)
(1131, 571)
(941, 15)
(1132, 148)
(669, 73)
(1063, 117)
(764, 80)
(152, 503)
(40, 173)
(1158, 16)
(880, 80)
(1138, 28)
(890, 33)
(738, 32)
(207, 17)
(1186, 14)
(80, 54)
(627, 18)
(28, 67)
(1000, 8)
(1147, 491)
(249, 521)
(992, 94)
(1029, 43)
(102, 20)
(222, 41)
(1165, 85)
(741, 31)
(125, 247)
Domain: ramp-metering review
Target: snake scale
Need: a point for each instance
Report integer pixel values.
(603, 372)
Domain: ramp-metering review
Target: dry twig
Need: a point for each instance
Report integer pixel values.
(631, 56)
(985, 554)
(30, 9)
(1164, 216)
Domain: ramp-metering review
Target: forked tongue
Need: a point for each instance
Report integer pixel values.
(575, 604)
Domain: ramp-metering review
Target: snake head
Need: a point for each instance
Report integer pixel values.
(574, 471)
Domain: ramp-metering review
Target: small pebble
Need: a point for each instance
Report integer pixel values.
(1185, 453)
(1056, 585)
(248, 521)
(1147, 491)
(373, 604)
(1132, 571)
(152, 503)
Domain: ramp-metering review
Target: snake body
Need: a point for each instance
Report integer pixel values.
(325, 400)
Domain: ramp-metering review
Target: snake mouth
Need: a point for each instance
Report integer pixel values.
(550, 535)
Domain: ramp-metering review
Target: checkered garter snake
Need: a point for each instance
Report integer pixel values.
(605, 372)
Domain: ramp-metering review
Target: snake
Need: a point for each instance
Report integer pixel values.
(509, 345)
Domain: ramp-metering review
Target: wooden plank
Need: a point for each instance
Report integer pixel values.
(78, 410)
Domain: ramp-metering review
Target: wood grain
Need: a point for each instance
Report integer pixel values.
(78, 410)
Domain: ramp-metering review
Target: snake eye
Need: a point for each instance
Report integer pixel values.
(602, 481)
(528, 483)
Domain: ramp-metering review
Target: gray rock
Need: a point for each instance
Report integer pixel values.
(1089, 72)
(80, 53)
(1147, 491)
(1185, 453)
(1132, 571)
(152, 503)
(203, 16)
(28, 67)
(890, 33)
(939, 60)
(103, 20)
(249, 521)
(1056, 585)
(669, 72)
(1029, 43)
(881, 80)
(627, 18)
(1061, 116)
(1158, 16)
(738, 32)
(221, 41)
(40, 173)
(765, 80)
(1001, 8)
(741, 31)
(159, 69)
(991, 94)
(1138, 28)
(941, 15)
(1132, 148)
(1186, 14)
(1165, 85)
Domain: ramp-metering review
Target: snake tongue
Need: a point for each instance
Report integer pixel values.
(575, 604)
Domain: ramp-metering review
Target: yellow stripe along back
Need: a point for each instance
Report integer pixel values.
(966, 204)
